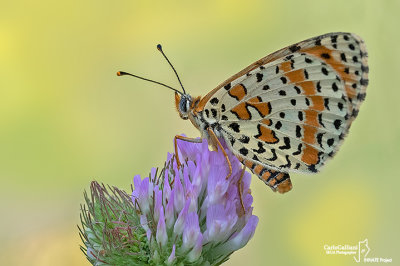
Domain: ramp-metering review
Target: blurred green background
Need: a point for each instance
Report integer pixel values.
(67, 119)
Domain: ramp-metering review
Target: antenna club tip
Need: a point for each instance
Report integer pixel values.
(121, 73)
(159, 47)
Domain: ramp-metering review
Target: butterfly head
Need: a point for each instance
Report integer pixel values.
(183, 105)
(186, 105)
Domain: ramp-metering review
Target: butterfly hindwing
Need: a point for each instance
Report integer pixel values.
(291, 110)
(277, 181)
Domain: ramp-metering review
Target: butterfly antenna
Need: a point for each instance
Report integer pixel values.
(159, 48)
(122, 73)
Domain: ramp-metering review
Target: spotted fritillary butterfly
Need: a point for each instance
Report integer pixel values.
(288, 111)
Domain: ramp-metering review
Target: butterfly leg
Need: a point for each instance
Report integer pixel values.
(215, 140)
(240, 188)
(193, 140)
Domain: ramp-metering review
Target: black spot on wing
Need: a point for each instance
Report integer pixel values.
(343, 57)
(244, 139)
(312, 168)
(289, 57)
(287, 144)
(330, 142)
(259, 77)
(294, 48)
(300, 115)
(337, 123)
(361, 96)
(364, 82)
(320, 120)
(243, 151)
(364, 68)
(319, 139)
(319, 86)
(274, 157)
(326, 103)
(255, 158)
(305, 74)
(214, 112)
(235, 127)
(325, 55)
(298, 131)
(214, 101)
(278, 125)
(232, 140)
(334, 87)
(288, 163)
(260, 148)
(340, 106)
(298, 150)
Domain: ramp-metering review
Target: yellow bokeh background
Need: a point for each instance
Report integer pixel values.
(67, 119)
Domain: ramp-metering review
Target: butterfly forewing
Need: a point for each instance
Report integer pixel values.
(291, 110)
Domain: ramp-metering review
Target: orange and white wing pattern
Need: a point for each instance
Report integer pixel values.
(291, 110)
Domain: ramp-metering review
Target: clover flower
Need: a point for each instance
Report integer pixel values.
(181, 215)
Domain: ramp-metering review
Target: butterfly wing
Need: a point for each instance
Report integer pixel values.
(290, 111)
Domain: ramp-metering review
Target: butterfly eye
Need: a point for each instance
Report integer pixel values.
(184, 106)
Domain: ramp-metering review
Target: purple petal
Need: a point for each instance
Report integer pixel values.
(188, 149)
(180, 222)
(166, 189)
(179, 197)
(161, 235)
(157, 203)
(143, 198)
(170, 212)
(191, 231)
(144, 223)
(148, 234)
(153, 172)
(195, 253)
(241, 239)
(171, 257)
(217, 184)
(220, 221)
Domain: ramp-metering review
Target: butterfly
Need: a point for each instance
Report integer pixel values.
(287, 112)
